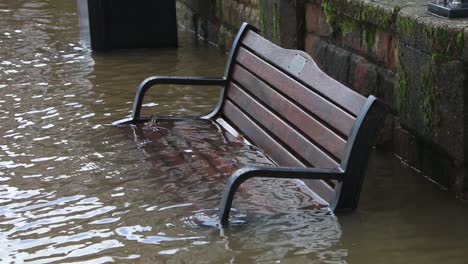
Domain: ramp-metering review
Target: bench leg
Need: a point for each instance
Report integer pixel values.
(246, 173)
(228, 196)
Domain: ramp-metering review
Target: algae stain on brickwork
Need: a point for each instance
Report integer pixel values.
(369, 36)
(423, 102)
(261, 13)
(437, 57)
(369, 20)
(427, 92)
(405, 26)
(219, 8)
(444, 41)
(378, 16)
(402, 90)
(460, 39)
(338, 23)
(276, 22)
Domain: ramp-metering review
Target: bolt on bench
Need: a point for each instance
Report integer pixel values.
(314, 128)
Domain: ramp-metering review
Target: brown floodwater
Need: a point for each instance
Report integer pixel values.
(75, 189)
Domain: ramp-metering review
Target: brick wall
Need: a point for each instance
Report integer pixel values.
(416, 63)
(217, 20)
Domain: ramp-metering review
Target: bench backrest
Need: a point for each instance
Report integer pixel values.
(283, 103)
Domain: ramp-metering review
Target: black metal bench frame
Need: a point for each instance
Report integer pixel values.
(348, 176)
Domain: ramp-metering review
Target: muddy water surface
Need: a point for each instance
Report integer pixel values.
(74, 188)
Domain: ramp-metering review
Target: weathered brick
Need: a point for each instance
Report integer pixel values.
(217, 21)
(312, 12)
(385, 136)
(432, 99)
(436, 164)
(405, 145)
(316, 21)
(385, 49)
(353, 40)
(386, 86)
(335, 61)
(363, 75)
(311, 45)
(213, 29)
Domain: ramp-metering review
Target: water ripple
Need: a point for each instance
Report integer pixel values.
(76, 189)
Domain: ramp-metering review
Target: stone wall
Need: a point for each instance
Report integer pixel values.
(415, 62)
(218, 20)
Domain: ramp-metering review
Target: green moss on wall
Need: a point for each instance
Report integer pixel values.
(427, 93)
(444, 41)
(276, 22)
(347, 14)
(402, 90)
(347, 26)
(405, 26)
(378, 16)
(438, 58)
(423, 102)
(460, 40)
(337, 22)
(369, 36)
(261, 13)
(349, 8)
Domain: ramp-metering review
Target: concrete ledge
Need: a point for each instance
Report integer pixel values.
(409, 20)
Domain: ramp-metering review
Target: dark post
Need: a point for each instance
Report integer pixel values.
(124, 24)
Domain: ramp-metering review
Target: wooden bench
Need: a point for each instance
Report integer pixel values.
(310, 125)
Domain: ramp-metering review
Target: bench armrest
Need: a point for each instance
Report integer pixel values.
(156, 80)
(243, 174)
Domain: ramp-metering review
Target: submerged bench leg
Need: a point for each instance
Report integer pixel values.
(246, 173)
(228, 195)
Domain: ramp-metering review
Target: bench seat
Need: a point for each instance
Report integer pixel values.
(195, 156)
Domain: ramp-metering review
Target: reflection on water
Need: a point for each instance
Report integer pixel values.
(74, 188)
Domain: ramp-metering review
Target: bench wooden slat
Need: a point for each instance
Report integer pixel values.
(310, 74)
(291, 112)
(307, 98)
(280, 129)
(321, 188)
(271, 147)
(262, 139)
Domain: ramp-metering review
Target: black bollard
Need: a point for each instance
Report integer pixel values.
(124, 24)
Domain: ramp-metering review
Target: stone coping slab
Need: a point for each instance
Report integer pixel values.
(444, 38)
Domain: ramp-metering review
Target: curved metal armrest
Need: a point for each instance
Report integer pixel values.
(155, 80)
(243, 174)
